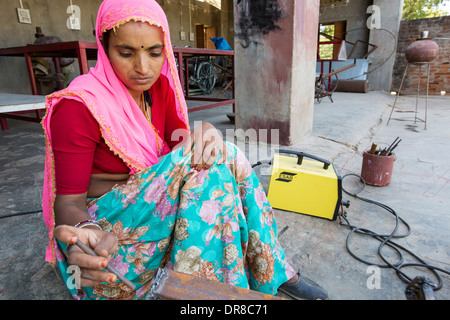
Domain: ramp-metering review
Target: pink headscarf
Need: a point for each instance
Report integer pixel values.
(123, 125)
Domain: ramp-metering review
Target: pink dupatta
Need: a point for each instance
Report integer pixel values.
(123, 125)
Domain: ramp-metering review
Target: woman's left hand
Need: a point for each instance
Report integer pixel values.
(207, 143)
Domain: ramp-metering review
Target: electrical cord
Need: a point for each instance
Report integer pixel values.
(386, 240)
(261, 162)
(20, 213)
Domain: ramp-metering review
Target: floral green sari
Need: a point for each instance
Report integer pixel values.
(214, 223)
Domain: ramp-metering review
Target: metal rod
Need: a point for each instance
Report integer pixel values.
(418, 92)
(386, 150)
(393, 142)
(111, 269)
(426, 101)
(398, 93)
(171, 285)
(395, 146)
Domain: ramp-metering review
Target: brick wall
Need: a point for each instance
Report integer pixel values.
(439, 68)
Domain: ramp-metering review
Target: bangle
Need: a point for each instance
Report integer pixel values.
(83, 224)
(88, 223)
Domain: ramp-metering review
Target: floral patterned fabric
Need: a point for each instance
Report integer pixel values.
(215, 224)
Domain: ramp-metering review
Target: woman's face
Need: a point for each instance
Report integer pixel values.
(136, 53)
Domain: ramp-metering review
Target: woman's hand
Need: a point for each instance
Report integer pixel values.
(207, 144)
(91, 267)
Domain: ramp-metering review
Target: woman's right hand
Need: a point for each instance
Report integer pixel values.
(92, 268)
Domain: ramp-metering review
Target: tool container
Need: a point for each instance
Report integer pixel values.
(376, 169)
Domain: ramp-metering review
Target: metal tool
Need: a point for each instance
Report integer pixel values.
(171, 285)
(387, 151)
(111, 269)
(395, 146)
(420, 288)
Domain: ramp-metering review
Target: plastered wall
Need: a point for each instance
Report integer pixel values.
(52, 15)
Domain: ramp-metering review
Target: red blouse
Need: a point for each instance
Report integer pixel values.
(80, 150)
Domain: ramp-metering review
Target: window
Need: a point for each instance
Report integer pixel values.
(331, 32)
(326, 34)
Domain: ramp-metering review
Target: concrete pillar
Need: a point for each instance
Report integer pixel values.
(384, 34)
(275, 63)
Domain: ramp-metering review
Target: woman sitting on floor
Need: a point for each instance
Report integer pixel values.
(125, 175)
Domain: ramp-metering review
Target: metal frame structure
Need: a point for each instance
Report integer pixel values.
(87, 50)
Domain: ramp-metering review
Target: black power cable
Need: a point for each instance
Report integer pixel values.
(14, 214)
(386, 240)
(261, 162)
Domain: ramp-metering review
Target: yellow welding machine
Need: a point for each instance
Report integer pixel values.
(309, 186)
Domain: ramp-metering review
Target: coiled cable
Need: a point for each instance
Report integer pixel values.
(386, 240)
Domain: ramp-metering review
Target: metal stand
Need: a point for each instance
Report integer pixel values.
(416, 118)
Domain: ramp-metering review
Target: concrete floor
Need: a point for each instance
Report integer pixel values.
(419, 193)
